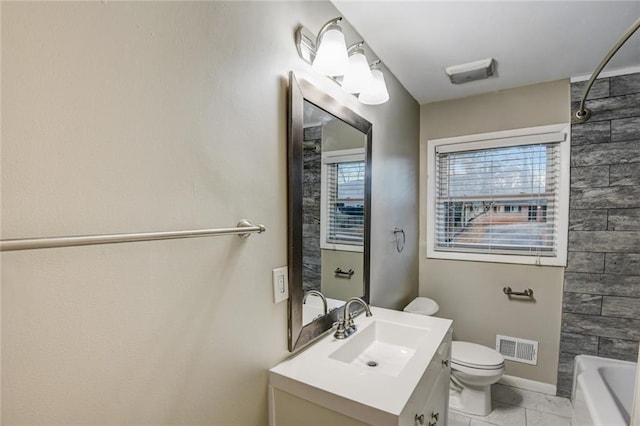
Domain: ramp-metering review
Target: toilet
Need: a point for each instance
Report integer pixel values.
(474, 368)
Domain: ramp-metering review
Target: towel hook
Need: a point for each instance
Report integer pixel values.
(399, 245)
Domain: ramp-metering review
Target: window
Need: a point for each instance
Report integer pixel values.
(342, 200)
(499, 197)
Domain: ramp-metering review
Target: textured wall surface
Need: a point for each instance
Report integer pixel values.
(601, 306)
(150, 116)
(311, 188)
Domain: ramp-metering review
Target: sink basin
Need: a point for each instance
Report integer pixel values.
(335, 372)
(382, 347)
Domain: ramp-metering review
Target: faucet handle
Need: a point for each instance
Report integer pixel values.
(341, 332)
(349, 322)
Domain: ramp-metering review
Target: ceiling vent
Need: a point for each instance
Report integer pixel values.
(471, 71)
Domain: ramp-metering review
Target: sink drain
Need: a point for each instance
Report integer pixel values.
(372, 364)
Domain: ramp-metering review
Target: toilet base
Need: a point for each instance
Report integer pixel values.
(474, 400)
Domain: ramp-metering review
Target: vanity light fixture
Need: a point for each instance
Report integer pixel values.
(331, 57)
(376, 93)
(328, 55)
(358, 76)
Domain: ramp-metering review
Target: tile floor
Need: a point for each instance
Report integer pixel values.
(519, 407)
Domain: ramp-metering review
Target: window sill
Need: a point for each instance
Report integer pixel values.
(341, 247)
(498, 258)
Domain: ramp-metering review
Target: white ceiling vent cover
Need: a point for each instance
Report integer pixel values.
(516, 349)
(471, 71)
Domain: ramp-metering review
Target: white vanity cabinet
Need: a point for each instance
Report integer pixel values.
(323, 386)
(429, 402)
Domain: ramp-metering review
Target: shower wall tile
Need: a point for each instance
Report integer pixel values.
(622, 264)
(581, 303)
(624, 84)
(600, 154)
(590, 177)
(565, 382)
(625, 129)
(624, 174)
(621, 307)
(585, 262)
(600, 89)
(618, 349)
(601, 305)
(312, 134)
(601, 198)
(601, 326)
(616, 285)
(613, 108)
(311, 268)
(591, 132)
(565, 374)
(579, 344)
(588, 220)
(604, 241)
(623, 220)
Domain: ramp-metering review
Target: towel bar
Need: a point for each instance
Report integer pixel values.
(243, 229)
(527, 292)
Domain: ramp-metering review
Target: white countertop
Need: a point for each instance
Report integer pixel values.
(313, 375)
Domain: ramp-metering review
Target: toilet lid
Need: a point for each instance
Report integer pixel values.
(422, 306)
(474, 355)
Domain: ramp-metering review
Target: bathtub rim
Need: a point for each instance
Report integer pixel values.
(586, 367)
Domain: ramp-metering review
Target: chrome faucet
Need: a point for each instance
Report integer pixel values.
(346, 327)
(316, 293)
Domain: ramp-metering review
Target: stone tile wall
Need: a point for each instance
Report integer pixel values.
(601, 305)
(312, 164)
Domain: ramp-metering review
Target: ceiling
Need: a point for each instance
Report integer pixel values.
(531, 41)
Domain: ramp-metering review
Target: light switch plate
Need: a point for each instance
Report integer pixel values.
(280, 284)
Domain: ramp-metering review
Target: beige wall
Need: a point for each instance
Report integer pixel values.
(337, 135)
(470, 293)
(126, 117)
(337, 287)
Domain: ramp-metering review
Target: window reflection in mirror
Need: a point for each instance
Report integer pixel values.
(333, 211)
(329, 196)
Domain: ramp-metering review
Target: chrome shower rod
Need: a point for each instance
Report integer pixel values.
(243, 229)
(583, 114)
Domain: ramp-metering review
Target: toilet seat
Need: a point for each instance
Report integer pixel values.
(422, 306)
(472, 355)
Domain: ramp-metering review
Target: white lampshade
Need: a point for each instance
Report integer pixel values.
(358, 76)
(331, 57)
(376, 93)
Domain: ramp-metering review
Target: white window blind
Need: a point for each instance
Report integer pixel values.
(499, 200)
(342, 200)
(345, 203)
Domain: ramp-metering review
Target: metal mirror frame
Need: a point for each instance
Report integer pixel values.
(300, 90)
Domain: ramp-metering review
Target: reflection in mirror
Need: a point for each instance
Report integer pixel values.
(332, 212)
(329, 196)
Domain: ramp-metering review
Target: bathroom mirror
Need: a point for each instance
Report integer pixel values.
(329, 156)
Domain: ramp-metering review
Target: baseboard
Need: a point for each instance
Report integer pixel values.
(532, 385)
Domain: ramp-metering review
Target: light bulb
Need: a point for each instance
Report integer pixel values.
(377, 92)
(331, 58)
(358, 76)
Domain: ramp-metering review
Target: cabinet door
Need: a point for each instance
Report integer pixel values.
(431, 395)
(434, 412)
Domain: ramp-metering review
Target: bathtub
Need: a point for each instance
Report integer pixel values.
(602, 391)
